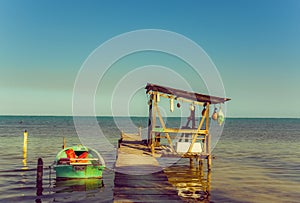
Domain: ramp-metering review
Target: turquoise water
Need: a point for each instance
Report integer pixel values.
(256, 160)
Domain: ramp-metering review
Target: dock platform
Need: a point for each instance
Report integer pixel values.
(138, 177)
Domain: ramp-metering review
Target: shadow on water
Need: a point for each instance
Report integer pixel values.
(192, 184)
(22, 186)
(73, 185)
(81, 190)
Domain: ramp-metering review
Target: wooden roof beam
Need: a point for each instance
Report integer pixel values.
(185, 94)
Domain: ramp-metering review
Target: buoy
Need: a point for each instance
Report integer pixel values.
(192, 107)
(220, 116)
(178, 105)
(215, 114)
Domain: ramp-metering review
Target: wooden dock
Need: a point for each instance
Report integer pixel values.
(138, 177)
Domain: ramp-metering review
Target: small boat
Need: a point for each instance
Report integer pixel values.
(78, 162)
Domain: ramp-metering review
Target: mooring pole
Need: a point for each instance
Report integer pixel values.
(191, 162)
(25, 148)
(39, 177)
(64, 143)
(25, 144)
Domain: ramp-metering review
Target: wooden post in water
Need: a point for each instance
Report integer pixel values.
(191, 162)
(209, 153)
(197, 161)
(39, 177)
(64, 143)
(201, 164)
(25, 148)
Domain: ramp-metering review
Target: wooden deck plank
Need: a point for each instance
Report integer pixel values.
(138, 177)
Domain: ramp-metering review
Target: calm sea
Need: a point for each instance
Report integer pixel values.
(256, 160)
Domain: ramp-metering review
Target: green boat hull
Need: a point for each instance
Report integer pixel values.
(78, 171)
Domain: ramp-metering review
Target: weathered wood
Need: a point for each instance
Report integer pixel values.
(199, 128)
(188, 133)
(201, 121)
(150, 121)
(138, 177)
(180, 130)
(193, 118)
(185, 94)
(207, 117)
(186, 138)
(164, 126)
(39, 177)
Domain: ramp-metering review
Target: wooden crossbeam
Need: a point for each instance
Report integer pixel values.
(180, 130)
(164, 126)
(199, 128)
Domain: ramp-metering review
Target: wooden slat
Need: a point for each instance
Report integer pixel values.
(180, 130)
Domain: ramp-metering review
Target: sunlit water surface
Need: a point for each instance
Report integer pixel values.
(256, 160)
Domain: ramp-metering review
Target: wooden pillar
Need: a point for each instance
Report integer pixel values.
(156, 109)
(199, 128)
(39, 177)
(208, 138)
(153, 123)
(209, 153)
(193, 118)
(25, 149)
(191, 162)
(197, 160)
(150, 121)
(201, 165)
(207, 117)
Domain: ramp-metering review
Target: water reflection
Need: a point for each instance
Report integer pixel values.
(193, 184)
(73, 185)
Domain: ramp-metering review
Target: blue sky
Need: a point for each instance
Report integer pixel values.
(254, 44)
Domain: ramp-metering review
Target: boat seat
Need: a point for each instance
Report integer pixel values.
(64, 161)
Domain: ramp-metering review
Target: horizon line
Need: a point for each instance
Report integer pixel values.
(137, 116)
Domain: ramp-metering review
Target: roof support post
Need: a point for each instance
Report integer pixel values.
(199, 128)
(164, 126)
(150, 121)
(153, 123)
